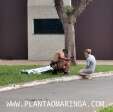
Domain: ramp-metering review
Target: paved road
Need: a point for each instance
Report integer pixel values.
(84, 94)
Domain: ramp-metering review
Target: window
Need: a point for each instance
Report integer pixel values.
(48, 26)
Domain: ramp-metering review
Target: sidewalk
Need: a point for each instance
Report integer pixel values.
(30, 62)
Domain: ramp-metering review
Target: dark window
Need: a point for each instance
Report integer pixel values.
(48, 26)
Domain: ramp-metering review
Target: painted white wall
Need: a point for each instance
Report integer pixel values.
(40, 2)
(67, 2)
(42, 47)
(45, 2)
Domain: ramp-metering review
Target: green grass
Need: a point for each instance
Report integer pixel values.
(104, 68)
(11, 74)
(107, 109)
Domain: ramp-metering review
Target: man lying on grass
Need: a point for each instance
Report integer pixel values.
(90, 64)
(60, 63)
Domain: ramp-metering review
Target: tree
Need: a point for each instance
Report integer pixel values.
(68, 16)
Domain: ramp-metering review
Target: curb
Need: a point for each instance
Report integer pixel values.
(52, 80)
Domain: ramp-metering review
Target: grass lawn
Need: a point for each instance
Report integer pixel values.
(107, 109)
(10, 74)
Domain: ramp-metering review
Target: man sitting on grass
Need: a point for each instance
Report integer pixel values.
(60, 62)
(90, 64)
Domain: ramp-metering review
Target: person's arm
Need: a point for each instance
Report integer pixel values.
(61, 56)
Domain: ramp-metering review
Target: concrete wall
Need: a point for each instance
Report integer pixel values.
(42, 47)
(45, 2)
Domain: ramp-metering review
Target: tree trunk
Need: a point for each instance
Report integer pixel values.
(69, 31)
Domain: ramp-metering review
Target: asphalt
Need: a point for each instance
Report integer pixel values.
(87, 95)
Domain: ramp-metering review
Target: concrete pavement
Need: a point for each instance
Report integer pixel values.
(46, 62)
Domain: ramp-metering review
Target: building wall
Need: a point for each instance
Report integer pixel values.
(13, 29)
(43, 46)
(95, 30)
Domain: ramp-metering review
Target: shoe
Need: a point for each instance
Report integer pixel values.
(66, 73)
(89, 77)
